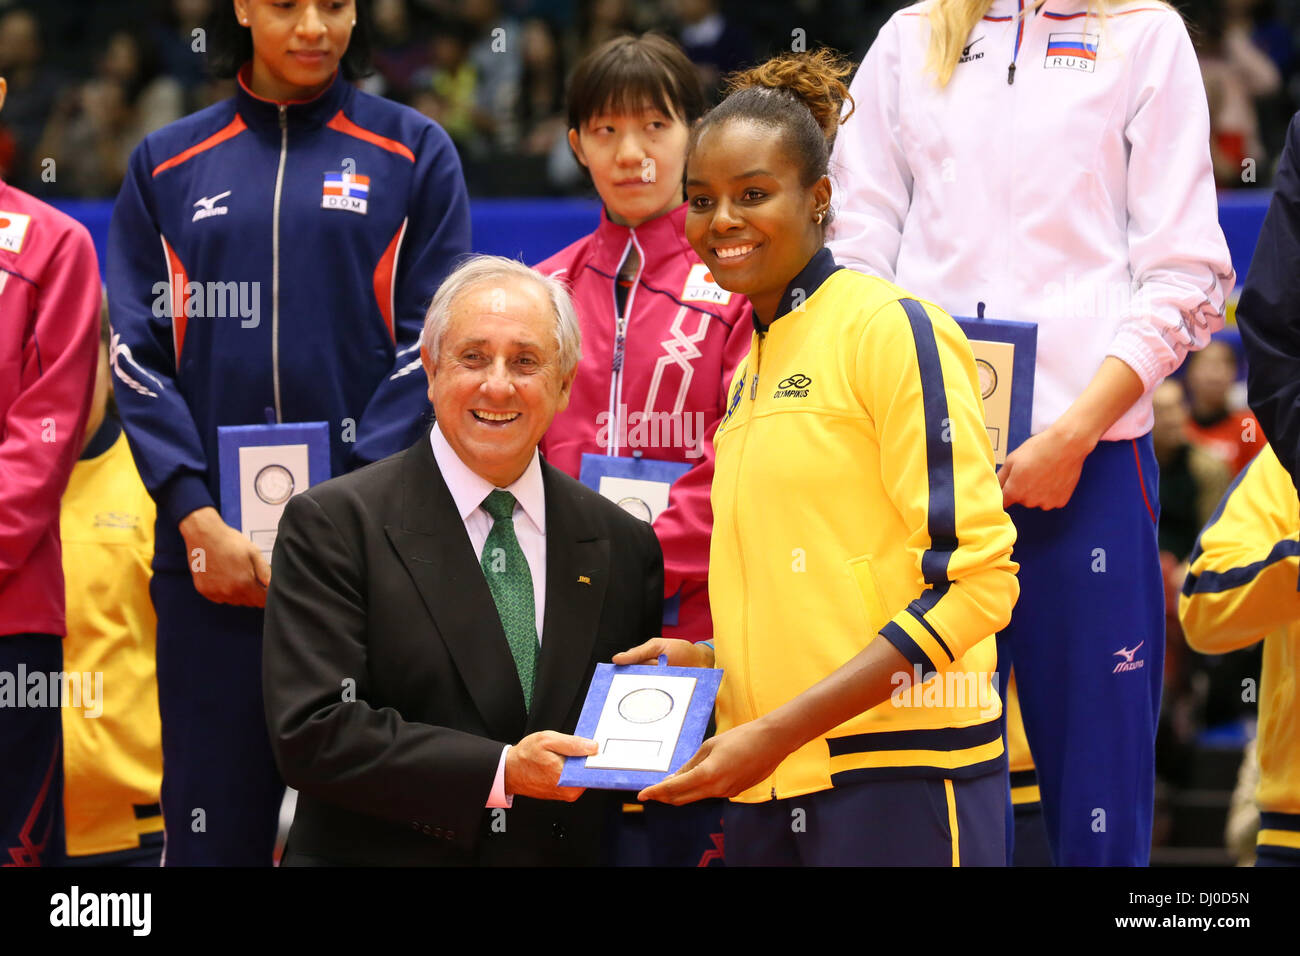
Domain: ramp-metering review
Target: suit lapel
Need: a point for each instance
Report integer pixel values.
(577, 573)
(435, 548)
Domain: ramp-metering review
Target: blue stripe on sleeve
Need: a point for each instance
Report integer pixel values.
(904, 644)
(1279, 821)
(1216, 582)
(928, 599)
(942, 518)
(919, 616)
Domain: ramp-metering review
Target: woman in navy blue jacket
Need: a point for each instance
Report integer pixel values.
(270, 259)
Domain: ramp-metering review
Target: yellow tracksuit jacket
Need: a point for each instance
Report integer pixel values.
(1241, 588)
(854, 494)
(112, 755)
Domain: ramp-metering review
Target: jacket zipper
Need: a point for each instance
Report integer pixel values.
(740, 552)
(275, 264)
(620, 341)
(1020, 31)
(1009, 234)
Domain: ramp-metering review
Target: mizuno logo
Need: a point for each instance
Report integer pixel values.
(966, 55)
(1128, 663)
(793, 386)
(208, 207)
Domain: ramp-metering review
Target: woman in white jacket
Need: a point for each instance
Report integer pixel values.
(1049, 161)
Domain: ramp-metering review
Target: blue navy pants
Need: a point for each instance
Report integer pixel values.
(221, 791)
(31, 752)
(1087, 640)
(881, 823)
(663, 835)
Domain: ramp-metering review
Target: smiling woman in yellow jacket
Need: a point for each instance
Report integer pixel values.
(861, 558)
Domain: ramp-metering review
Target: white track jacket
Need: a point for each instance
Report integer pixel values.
(1062, 177)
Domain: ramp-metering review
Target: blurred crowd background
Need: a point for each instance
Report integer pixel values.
(87, 79)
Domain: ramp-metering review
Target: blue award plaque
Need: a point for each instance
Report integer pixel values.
(262, 467)
(648, 721)
(640, 487)
(1005, 354)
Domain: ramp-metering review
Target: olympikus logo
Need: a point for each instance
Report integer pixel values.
(116, 519)
(793, 386)
(208, 207)
(1128, 664)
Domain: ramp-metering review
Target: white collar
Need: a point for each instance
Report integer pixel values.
(468, 489)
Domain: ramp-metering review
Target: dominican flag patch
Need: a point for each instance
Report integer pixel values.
(348, 191)
(1072, 51)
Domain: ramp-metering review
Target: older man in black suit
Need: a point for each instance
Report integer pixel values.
(434, 619)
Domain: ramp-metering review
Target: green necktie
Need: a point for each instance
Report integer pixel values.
(511, 583)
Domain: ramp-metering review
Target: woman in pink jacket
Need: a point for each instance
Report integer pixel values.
(49, 319)
(660, 338)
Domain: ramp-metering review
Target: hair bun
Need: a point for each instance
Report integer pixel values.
(816, 79)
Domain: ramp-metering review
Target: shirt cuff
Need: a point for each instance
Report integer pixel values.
(499, 798)
(1140, 350)
(185, 493)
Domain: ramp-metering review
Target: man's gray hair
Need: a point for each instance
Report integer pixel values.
(481, 270)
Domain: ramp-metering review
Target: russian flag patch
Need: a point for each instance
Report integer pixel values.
(349, 191)
(1072, 51)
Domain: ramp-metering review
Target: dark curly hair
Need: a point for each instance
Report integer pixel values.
(799, 94)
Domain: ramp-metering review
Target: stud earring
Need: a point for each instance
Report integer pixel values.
(820, 216)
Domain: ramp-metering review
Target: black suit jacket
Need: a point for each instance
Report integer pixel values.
(1268, 313)
(390, 688)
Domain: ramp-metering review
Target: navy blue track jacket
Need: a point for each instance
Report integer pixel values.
(1268, 313)
(272, 261)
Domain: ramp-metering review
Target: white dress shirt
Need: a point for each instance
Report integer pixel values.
(468, 491)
